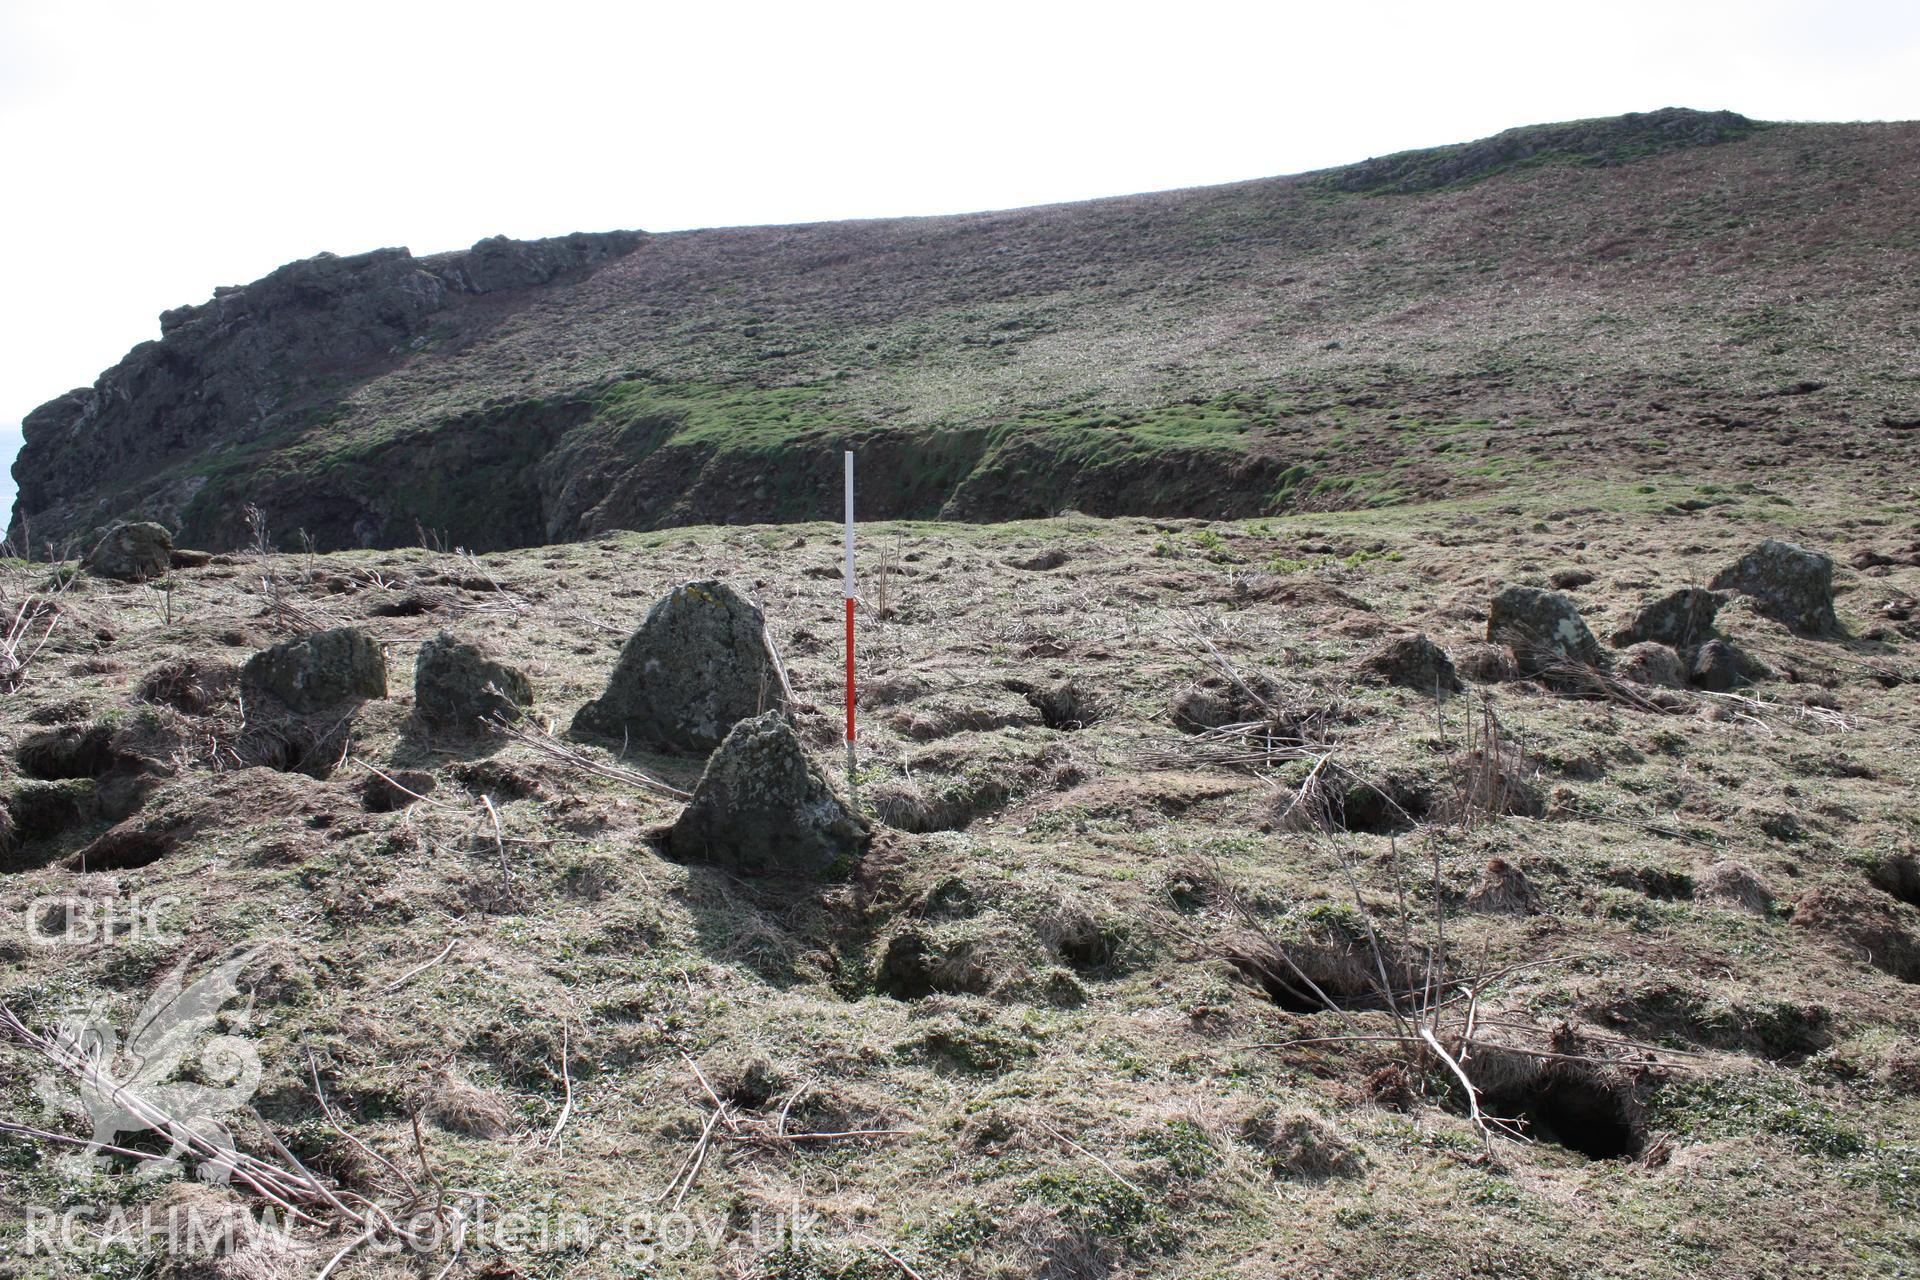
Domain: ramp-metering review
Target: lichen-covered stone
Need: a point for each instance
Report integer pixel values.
(1788, 583)
(458, 685)
(320, 671)
(698, 665)
(1682, 619)
(764, 808)
(1543, 628)
(132, 552)
(1417, 663)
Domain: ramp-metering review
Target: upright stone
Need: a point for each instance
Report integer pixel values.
(764, 808)
(698, 665)
(1788, 584)
(1542, 628)
(320, 671)
(132, 552)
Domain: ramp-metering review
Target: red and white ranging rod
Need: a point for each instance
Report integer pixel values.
(851, 793)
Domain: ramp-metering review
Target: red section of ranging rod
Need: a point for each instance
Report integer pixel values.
(850, 669)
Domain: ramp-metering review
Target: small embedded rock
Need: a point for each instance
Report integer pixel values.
(1503, 890)
(1300, 1145)
(1487, 664)
(1653, 663)
(1417, 663)
(1735, 884)
(1718, 667)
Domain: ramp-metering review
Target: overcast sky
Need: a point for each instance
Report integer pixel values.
(152, 151)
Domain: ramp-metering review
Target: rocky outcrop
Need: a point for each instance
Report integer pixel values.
(987, 367)
(698, 665)
(764, 808)
(132, 552)
(321, 671)
(458, 685)
(253, 362)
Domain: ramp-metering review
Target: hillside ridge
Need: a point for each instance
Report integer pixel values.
(1231, 351)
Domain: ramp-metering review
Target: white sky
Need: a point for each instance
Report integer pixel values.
(153, 150)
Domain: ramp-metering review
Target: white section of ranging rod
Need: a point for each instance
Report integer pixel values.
(848, 573)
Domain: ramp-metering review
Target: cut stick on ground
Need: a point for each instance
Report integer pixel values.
(1473, 1094)
(899, 1262)
(1111, 1172)
(566, 1076)
(391, 781)
(419, 969)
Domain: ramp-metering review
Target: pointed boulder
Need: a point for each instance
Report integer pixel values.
(698, 665)
(1680, 619)
(764, 808)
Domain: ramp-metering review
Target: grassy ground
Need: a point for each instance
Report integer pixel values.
(1072, 1077)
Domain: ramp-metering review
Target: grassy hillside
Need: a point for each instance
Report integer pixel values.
(1639, 286)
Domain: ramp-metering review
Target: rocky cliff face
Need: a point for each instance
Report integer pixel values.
(1426, 325)
(254, 362)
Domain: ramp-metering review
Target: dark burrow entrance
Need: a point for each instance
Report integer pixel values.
(126, 848)
(1392, 807)
(1575, 1111)
(66, 753)
(1347, 977)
